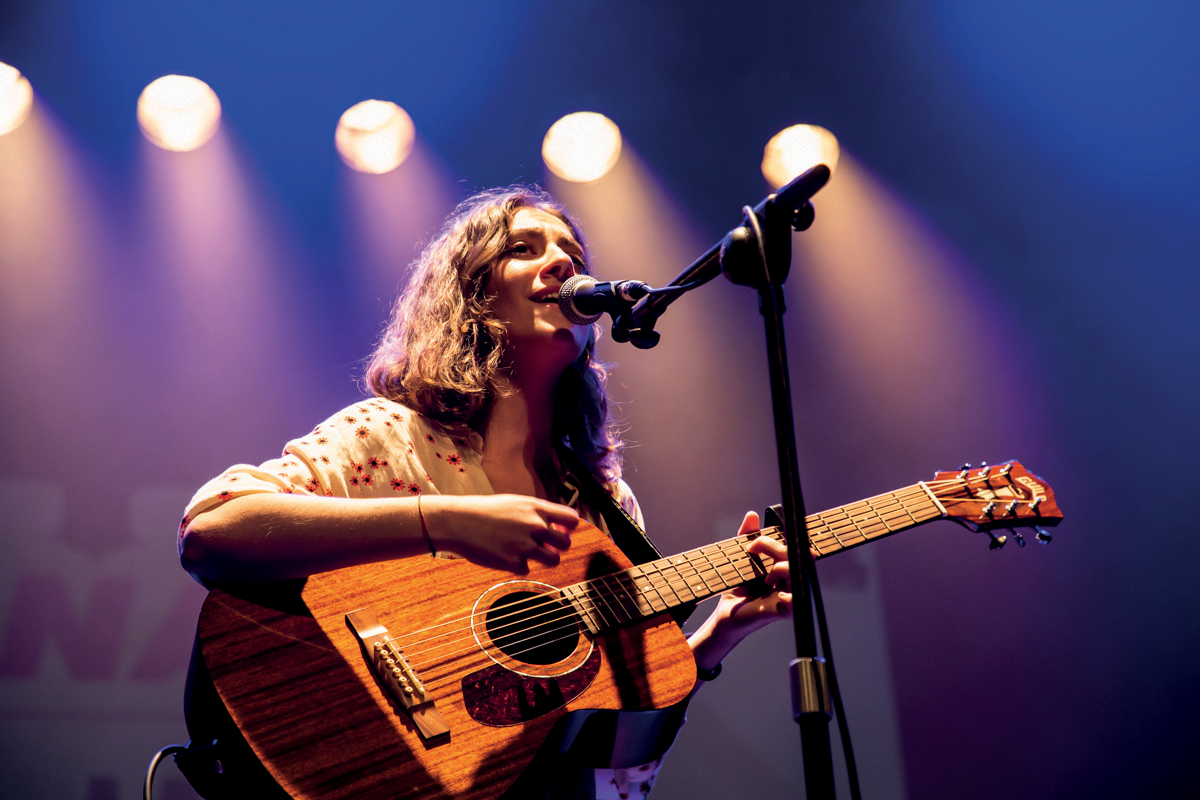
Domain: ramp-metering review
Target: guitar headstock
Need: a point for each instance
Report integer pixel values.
(1000, 496)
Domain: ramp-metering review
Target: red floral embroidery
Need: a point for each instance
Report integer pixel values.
(322, 440)
(429, 438)
(414, 489)
(350, 419)
(354, 481)
(399, 485)
(312, 485)
(454, 459)
(226, 495)
(363, 432)
(367, 480)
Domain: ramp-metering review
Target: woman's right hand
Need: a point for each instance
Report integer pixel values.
(503, 531)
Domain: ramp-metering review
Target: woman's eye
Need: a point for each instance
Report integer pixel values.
(519, 249)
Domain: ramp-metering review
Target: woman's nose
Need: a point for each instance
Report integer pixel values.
(559, 263)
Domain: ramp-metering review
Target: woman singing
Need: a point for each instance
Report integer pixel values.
(487, 426)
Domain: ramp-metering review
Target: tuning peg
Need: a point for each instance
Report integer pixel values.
(997, 541)
(990, 510)
(1010, 509)
(1042, 536)
(1020, 539)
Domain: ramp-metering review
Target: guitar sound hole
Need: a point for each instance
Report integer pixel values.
(532, 627)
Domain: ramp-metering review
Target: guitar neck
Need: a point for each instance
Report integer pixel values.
(663, 585)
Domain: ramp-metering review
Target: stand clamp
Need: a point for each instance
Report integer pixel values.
(810, 688)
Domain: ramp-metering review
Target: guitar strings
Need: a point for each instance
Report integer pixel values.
(822, 532)
(818, 538)
(830, 531)
(740, 561)
(658, 582)
(814, 520)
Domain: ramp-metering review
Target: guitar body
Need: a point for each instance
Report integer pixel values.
(297, 683)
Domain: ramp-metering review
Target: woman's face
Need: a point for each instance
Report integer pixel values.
(540, 254)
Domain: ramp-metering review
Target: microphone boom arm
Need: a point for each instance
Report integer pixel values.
(637, 325)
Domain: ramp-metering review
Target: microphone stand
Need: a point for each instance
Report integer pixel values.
(758, 254)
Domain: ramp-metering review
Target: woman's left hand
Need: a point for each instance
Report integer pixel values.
(740, 612)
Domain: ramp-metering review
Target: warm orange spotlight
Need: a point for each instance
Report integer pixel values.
(375, 136)
(797, 149)
(16, 98)
(178, 113)
(582, 147)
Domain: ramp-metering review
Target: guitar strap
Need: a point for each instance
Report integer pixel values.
(625, 531)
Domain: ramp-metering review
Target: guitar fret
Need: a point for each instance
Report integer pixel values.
(665, 580)
(727, 572)
(612, 584)
(629, 586)
(584, 608)
(741, 561)
(601, 586)
(645, 584)
(679, 584)
(696, 581)
(651, 580)
(704, 569)
(603, 606)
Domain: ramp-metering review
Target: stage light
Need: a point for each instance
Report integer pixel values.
(582, 147)
(178, 113)
(16, 98)
(375, 136)
(797, 149)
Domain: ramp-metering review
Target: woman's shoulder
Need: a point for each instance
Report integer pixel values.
(379, 425)
(371, 418)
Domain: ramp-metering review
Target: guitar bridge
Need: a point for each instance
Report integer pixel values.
(397, 676)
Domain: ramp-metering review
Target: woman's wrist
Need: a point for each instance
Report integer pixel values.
(709, 647)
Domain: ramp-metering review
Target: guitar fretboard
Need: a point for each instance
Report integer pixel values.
(660, 586)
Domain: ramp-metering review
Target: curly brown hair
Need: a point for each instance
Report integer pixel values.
(442, 351)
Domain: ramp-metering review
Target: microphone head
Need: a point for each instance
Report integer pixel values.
(566, 295)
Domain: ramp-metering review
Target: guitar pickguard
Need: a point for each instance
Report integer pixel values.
(498, 696)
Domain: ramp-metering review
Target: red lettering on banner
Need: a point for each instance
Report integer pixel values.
(90, 642)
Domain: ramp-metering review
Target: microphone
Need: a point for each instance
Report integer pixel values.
(583, 300)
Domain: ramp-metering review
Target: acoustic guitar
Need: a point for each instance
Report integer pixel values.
(428, 677)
